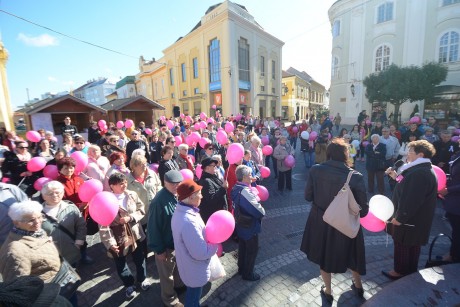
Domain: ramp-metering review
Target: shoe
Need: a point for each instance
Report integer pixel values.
(328, 297)
(252, 277)
(145, 285)
(392, 277)
(130, 292)
(358, 291)
(87, 260)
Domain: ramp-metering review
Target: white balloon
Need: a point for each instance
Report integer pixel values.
(355, 144)
(305, 135)
(382, 207)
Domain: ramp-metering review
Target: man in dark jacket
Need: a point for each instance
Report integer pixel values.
(445, 149)
(136, 143)
(68, 128)
(414, 199)
(214, 190)
(248, 208)
(375, 164)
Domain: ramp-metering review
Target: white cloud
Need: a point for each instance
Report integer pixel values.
(68, 82)
(43, 40)
(52, 79)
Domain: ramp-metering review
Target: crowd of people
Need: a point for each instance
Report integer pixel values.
(159, 211)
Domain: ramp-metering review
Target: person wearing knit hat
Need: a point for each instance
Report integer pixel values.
(160, 237)
(31, 291)
(193, 253)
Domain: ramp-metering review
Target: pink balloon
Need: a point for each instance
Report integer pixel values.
(36, 164)
(295, 129)
(203, 116)
(442, 178)
(372, 223)
(129, 123)
(219, 227)
(220, 249)
(192, 157)
(51, 171)
(188, 119)
(313, 135)
(89, 188)
(214, 107)
(235, 153)
(204, 141)
(222, 137)
(198, 171)
(103, 208)
(190, 141)
(365, 143)
(81, 160)
(414, 120)
(178, 140)
(196, 137)
(267, 150)
(40, 182)
(182, 116)
(154, 167)
(289, 161)
(197, 126)
(203, 125)
(263, 192)
(33, 136)
(101, 123)
(120, 124)
(211, 121)
(170, 124)
(148, 131)
(255, 191)
(264, 172)
(229, 127)
(186, 173)
(265, 140)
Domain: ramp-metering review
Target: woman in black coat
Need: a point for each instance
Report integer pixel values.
(333, 251)
(167, 163)
(414, 199)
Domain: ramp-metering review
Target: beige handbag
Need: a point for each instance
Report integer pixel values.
(343, 212)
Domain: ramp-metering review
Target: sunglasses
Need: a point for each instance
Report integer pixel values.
(79, 143)
(113, 140)
(22, 147)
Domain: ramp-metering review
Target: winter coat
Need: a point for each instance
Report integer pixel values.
(9, 194)
(214, 195)
(146, 191)
(133, 145)
(333, 251)
(12, 168)
(375, 158)
(193, 253)
(245, 199)
(444, 153)
(452, 199)
(280, 153)
(257, 156)
(135, 209)
(71, 219)
(24, 255)
(166, 166)
(414, 199)
(71, 188)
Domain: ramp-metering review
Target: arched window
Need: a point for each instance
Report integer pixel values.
(335, 67)
(382, 58)
(448, 47)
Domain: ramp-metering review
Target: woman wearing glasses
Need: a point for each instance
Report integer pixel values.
(14, 167)
(79, 145)
(136, 143)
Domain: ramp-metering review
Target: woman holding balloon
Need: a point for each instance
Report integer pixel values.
(414, 200)
(282, 153)
(333, 251)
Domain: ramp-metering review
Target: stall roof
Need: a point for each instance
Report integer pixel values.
(117, 104)
(45, 103)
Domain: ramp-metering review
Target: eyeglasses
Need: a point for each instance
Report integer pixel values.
(79, 143)
(134, 133)
(210, 148)
(113, 140)
(22, 147)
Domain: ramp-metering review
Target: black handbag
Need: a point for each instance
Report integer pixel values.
(68, 279)
(435, 262)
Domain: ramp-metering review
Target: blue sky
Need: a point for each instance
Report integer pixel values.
(44, 61)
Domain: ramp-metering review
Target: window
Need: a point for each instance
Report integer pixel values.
(183, 69)
(382, 58)
(273, 90)
(163, 86)
(171, 76)
(172, 95)
(195, 68)
(184, 93)
(196, 107)
(385, 12)
(243, 59)
(448, 47)
(196, 90)
(214, 60)
(262, 65)
(449, 2)
(335, 67)
(273, 69)
(336, 28)
(262, 88)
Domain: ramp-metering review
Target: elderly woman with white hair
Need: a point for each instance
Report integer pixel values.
(28, 250)
(97, 166)
(63, 222)
(375, 164)
(183, 159)
(256, 152)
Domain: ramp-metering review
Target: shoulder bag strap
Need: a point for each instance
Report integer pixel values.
(349, 177)
(56, 224)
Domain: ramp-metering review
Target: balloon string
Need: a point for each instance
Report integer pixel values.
(23, 178)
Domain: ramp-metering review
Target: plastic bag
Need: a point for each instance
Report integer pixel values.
(217, 269)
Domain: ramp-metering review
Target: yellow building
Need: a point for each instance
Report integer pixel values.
(6, 113)
(301, 95)
(226, 60)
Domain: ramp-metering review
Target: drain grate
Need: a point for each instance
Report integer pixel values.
(294, 234)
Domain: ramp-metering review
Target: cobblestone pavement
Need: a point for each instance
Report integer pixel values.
(288, 278)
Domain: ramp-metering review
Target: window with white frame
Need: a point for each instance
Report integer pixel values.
(449, 2)
(184, 72)
(448, 47)
(335, 67)
(382, 58)
(262, 65)
(336, 28)
(385, 12)
(273, 69)
(195, 68)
